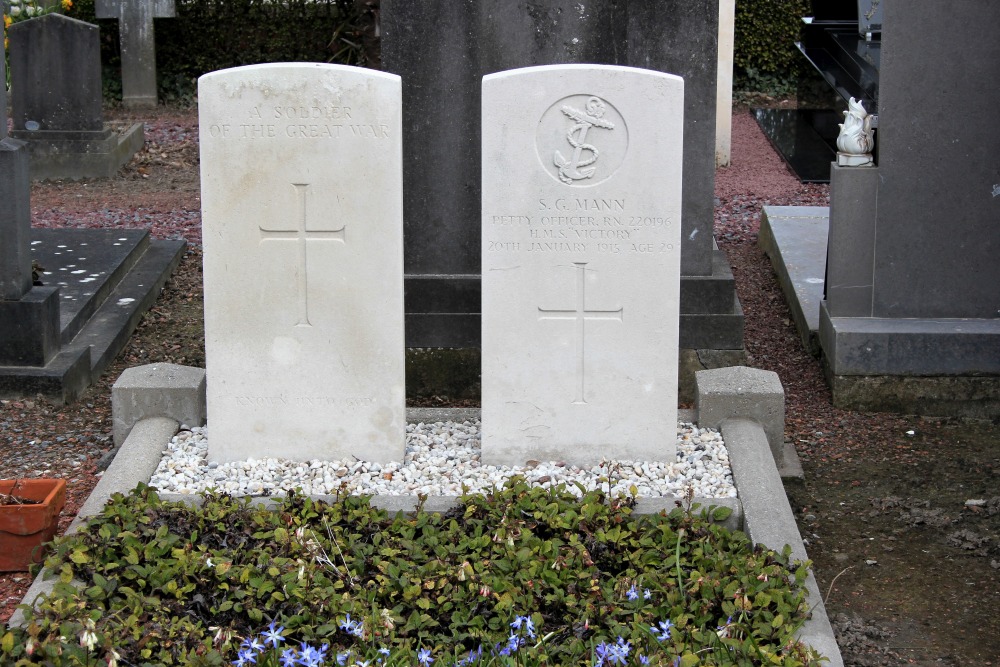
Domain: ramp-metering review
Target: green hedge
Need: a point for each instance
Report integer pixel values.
(208, 35)
(765, 57)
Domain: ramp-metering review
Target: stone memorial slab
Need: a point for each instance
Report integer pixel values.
(56, 75)
(56, 100)
(138, 47)
(301, 174)
(581, 257)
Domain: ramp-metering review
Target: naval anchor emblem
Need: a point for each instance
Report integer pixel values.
(581, 140)
(570, 169)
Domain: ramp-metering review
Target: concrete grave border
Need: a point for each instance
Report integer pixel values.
(762, 509)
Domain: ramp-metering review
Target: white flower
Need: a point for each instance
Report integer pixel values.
(88, 638)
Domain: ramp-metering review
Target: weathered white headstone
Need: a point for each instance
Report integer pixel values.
(301, 185)
(581, 263)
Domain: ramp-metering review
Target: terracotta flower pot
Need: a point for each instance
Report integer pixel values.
(24, 528)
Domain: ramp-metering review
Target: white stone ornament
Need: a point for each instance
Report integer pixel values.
(855, 143)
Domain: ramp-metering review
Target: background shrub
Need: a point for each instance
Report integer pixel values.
(209, 35)
(765, 58)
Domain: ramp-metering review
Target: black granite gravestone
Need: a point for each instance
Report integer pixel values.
(56, 100)
(441, 95)
(911, 319)
(843, 48)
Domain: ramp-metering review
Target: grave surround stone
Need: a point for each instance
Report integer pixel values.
(581, 252)
(138, 47)
(56, 100)
(302, 225)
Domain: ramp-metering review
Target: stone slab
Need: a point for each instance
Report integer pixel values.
(581, 263)
(112, 312)
(85, 264)
(301, 168)
(768, 520)
(850, 265)
(795, 240)
(910, 346)
(109, 328)
(74, 156)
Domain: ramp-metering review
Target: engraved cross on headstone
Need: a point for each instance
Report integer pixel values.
(135, 24)
(302, 235)
(581, 315)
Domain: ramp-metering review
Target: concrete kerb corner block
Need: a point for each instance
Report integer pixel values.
(768, 520)
(741, 391)
(157, 390)
(135, 463)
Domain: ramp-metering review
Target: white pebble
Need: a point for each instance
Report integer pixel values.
(442, 458)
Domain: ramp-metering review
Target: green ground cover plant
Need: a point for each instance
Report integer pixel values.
(523, 575)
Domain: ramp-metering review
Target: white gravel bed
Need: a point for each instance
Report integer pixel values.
(442, 459)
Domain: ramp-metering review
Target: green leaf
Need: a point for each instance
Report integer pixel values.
(720, 514)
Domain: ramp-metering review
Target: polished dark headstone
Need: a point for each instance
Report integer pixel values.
(913, 283)
(441, 127)
(845, 60)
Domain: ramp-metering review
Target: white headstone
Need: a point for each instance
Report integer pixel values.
(581, 263)
(301, 185)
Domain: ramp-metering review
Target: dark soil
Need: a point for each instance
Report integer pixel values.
(910, 567)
